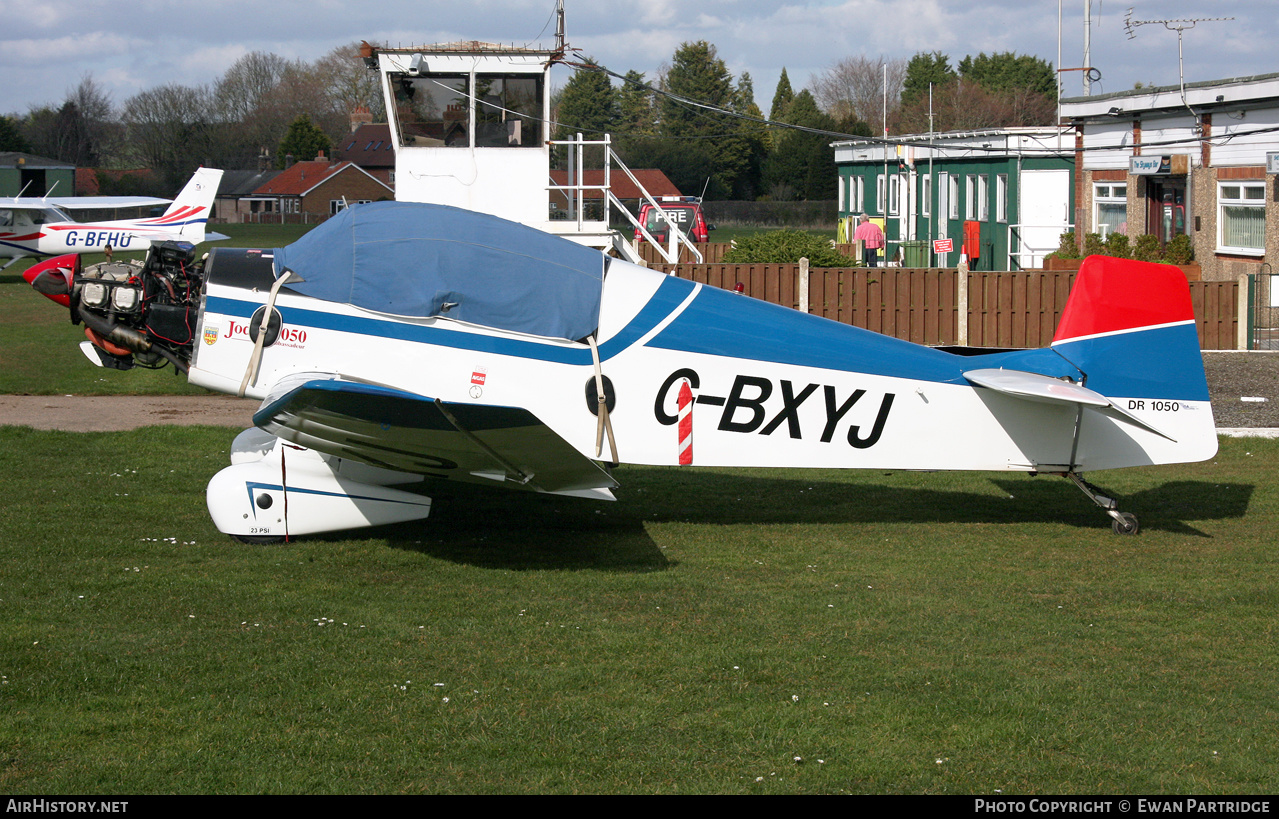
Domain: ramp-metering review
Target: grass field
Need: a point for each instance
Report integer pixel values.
(715, 631)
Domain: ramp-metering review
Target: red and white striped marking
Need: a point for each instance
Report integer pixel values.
(685, 423)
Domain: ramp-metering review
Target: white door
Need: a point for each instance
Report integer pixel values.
(1043, 205)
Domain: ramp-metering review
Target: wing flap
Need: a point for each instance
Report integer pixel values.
(1049, 390)
(399, 430)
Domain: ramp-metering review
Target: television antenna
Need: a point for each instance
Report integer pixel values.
(1179, 26)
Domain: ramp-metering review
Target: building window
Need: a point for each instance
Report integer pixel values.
(894, 193)
(336, 206)
(926, 194)
(858, 204)
(970, 197)
(437, 110)
(1241, 223)
(433, 111)
(1110, 209)
(954, 197)
(1001, 198)
(983, 198)
(879, 193)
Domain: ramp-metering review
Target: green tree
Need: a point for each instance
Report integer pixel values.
(996, 91)
(925, 68)
(703, 83)
(303, 141)
(684, 163)
(636, 107)
(11, 138)
(782, 97)
(588, 105)
(1008, 72)
(802, 165)
(752, 141)
(697, 74)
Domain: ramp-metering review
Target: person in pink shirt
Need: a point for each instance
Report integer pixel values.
(872, 239)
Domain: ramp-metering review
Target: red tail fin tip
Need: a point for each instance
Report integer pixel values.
(1112, 295)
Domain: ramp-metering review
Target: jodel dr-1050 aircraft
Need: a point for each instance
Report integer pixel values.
(40, 226)
(400, 341)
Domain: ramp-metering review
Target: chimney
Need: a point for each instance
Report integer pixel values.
(360, 116)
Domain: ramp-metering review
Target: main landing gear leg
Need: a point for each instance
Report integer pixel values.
(1124, 523)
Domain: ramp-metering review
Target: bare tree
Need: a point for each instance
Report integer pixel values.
(349, 83)
(83, 130)
(244, 102)
(247, 83)
(170, 130)
(854, 88)
(961, 105)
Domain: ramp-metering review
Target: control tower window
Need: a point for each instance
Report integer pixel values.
(433, 111)
(436, 110)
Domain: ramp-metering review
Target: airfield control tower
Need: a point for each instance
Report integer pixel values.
(471, 125)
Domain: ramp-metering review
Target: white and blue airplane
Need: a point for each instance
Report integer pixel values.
(401, 342)
(42, 226)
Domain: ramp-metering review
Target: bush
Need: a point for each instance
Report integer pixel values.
(1117, 246)
(1179, 250)
(1147, 249)
(786, 247)
(1093, 245)
(1066, 248)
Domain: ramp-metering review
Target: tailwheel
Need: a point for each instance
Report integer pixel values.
(1125, 523)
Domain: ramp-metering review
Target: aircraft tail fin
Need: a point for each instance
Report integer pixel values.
(1118, 295)
(1129, 327)
(189, 213)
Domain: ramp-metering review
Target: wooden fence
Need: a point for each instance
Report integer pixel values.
(1002, 310)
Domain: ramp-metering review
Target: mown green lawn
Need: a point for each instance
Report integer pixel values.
(715, 631)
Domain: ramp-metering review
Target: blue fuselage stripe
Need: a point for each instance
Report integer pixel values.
(668, 296)
(727, 324)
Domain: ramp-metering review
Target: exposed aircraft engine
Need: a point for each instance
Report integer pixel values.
(141, 313)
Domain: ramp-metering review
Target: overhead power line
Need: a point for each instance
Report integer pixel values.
(715, 109)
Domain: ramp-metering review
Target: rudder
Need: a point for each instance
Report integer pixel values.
(190, 210)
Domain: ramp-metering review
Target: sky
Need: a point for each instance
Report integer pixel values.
(48, 46)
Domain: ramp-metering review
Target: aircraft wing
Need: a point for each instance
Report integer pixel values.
(84, 202)
(399, 430)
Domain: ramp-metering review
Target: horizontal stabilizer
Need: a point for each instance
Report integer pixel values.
(1049, 390)
(1036, 387)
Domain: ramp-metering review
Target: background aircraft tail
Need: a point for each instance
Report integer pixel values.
(189, 213)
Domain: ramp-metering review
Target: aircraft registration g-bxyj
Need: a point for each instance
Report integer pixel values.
(31, 226)
(399, 341)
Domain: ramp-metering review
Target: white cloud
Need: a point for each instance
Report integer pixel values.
(46, 46)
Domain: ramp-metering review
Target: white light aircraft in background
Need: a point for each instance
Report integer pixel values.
(41, 226)
(399, 342)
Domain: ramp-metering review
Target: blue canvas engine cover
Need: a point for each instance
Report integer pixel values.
(420, 260)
